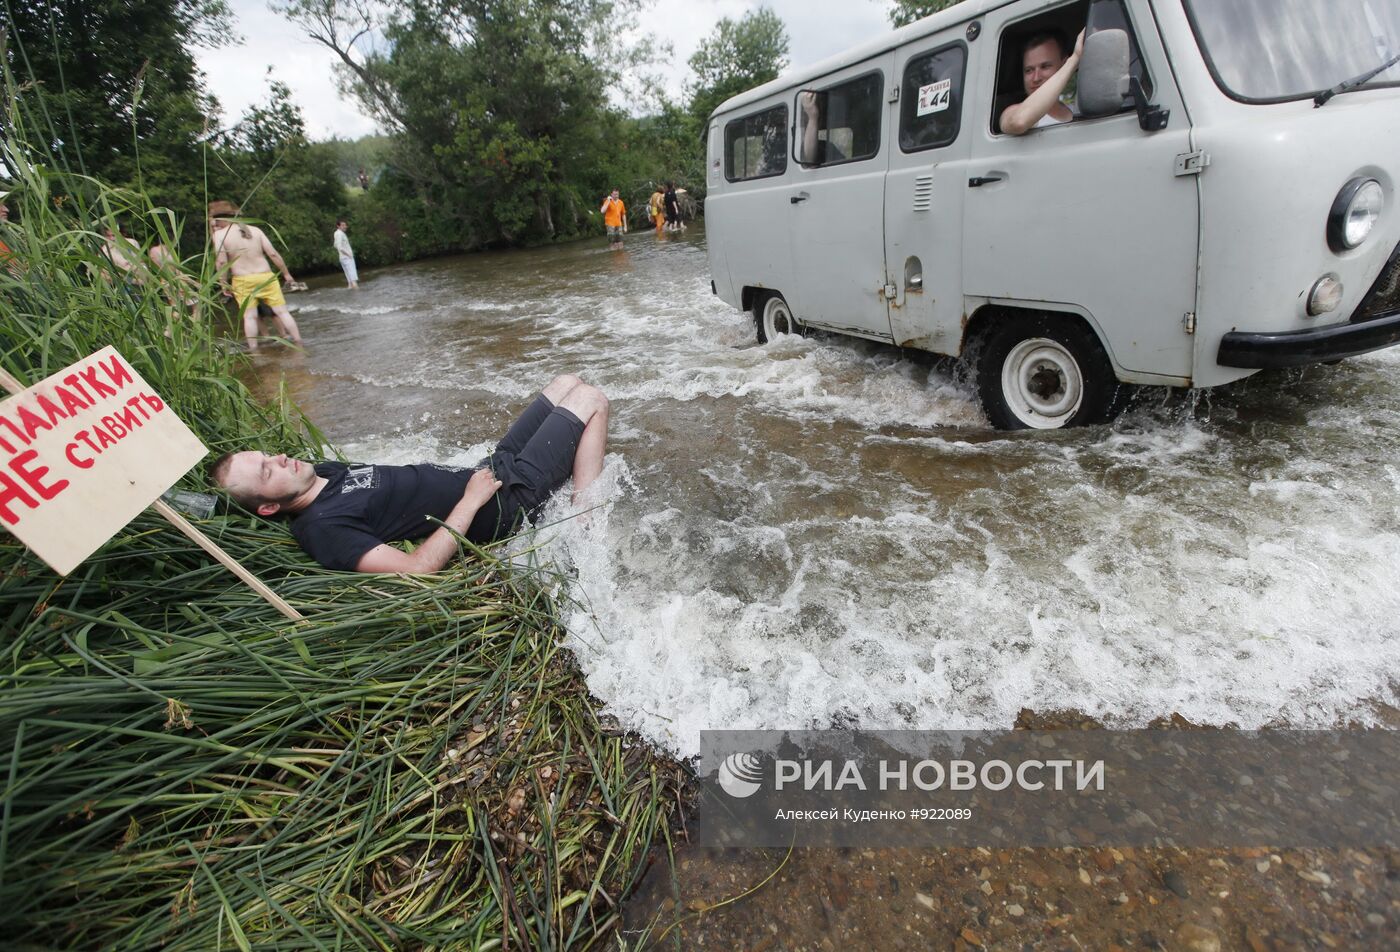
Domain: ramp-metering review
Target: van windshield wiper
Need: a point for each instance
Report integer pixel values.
(1321, 98)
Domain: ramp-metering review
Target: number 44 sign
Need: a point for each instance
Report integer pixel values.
(935, 96)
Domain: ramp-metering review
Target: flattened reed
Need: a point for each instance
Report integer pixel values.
(416, 765)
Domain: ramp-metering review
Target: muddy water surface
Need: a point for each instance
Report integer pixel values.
(824, 531)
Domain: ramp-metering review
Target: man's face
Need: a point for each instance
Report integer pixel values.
(219, 223)
(1039, 64)
(614, 193)
(343, 226)
(277, 479)
(4, 213)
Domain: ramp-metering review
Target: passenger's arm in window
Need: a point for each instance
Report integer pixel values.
(807, 101)
(1022, 117)
(816, 151)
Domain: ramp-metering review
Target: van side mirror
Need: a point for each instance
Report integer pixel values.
(1105, 78)
(1103, 73)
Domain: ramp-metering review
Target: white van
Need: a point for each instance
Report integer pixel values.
(1224, 200)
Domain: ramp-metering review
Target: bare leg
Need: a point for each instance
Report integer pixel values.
(250, 324)
(557, 388)
(590, 405)
(287, 323)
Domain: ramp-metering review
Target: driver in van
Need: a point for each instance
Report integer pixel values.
(1046, 71)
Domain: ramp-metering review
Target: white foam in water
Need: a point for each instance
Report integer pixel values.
(1228, 560)
(345, 308)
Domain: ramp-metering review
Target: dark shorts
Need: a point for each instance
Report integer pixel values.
(533, 459)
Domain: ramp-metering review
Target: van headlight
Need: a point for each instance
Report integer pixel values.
(1354, 214)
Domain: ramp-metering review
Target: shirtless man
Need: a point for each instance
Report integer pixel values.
(119, 250)
(242, 253)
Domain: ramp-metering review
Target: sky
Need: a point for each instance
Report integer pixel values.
(238, 75)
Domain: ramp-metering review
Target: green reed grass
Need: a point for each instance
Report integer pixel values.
(416, 765)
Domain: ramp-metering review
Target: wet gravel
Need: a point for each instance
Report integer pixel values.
(1032, 899)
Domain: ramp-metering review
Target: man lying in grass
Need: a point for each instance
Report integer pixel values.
(344, 515)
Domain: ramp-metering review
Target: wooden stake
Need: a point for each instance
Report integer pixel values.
(12, 384)
(226, 560)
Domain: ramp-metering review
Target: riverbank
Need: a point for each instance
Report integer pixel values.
(418, 763)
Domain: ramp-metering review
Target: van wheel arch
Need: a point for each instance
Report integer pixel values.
(1038, 369)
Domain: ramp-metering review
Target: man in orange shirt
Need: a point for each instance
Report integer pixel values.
(615, 218)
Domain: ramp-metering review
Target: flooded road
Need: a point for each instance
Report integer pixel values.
(826, 532)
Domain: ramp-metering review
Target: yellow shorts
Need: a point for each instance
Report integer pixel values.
(257, 287)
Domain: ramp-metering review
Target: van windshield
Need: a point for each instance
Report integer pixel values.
(1274, 50)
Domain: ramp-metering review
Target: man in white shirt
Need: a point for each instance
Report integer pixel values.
(347, 254)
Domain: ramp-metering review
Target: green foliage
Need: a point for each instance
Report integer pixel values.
(905, 12)
(737, 56)
(348, 156)
(500, 107)
(115, 87)
(501, 127)
(391, 223)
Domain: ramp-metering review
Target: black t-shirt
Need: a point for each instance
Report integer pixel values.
(364, 505)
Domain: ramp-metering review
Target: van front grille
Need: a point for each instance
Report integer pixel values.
(1384, 296)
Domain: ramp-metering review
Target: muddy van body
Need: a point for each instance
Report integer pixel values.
(1223, 202)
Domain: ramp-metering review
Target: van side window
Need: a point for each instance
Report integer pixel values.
(930, 109)
(1063, 23)
(840, 123)
(756, 146)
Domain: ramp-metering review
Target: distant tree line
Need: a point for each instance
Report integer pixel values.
(501, 118)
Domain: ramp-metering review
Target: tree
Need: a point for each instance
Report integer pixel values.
(500, 106)
(738, 55)
(116, 86)
(369, 152)
(905, 12)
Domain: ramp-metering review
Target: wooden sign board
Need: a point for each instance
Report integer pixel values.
(82, 453)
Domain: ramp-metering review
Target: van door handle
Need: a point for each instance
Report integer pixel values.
(799, 197)
(981, 180)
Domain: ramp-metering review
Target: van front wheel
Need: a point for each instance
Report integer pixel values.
(772, 317)
(1043, 374)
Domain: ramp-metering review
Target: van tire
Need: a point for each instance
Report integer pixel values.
(772, 317)
(1039, 372)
